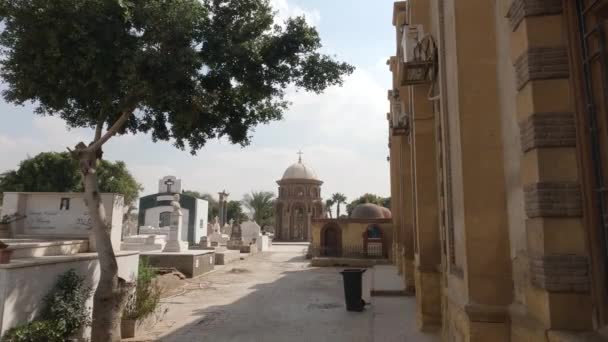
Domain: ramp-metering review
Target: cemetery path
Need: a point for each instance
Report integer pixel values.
(276, 296)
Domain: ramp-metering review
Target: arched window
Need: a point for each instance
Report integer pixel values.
(374, 232)
(164, 219)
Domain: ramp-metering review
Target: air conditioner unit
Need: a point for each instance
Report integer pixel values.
(410, 36)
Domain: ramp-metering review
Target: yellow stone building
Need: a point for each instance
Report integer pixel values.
(499, 166)
(367, 233)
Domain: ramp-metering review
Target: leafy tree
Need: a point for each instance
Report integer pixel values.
(386, 202)
(368, 198)
(59, 172)
(45, 172)
(192, 193)
(329, 203)
(235, 212)
(182, 70)
(114, 177)
(261, 205)
(64, 312)
(214, 207)
(338, 198)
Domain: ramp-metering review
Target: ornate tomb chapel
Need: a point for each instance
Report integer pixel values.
(299, 202)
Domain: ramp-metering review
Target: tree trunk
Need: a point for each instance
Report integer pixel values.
(338, 212)
(111, 293)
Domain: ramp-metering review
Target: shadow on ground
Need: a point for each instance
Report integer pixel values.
(302, 305)
(278, 297)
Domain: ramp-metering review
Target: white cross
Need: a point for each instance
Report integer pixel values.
(168, 183)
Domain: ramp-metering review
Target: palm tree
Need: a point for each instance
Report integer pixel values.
(261, 204)
(338, 198)
(328, 204)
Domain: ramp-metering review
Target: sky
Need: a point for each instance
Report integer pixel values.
(343, 132)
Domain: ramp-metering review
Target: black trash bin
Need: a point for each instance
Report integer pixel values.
(353, 279)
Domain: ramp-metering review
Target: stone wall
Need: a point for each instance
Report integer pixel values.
(21, 297)
(61, 215)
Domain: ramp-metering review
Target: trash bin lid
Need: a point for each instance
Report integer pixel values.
(354, 270)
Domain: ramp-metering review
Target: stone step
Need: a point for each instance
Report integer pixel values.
(145, 239)
(34, 247)
(125, 246)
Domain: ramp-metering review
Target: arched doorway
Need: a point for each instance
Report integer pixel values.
(278, 224)
(299, 227)
(373, 242)
(331, 240)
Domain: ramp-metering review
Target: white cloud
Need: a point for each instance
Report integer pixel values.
(50, 134)
(355, 110)
(285, 10)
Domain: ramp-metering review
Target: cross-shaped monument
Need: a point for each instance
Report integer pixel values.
(300, 153)
(169, 183)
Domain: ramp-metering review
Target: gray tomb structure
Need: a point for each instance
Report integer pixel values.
(155, 210)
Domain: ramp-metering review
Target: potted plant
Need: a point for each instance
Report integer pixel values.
(143, 304)
(5, 253)
(5, 222)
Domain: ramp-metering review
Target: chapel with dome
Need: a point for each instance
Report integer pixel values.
(298, 203)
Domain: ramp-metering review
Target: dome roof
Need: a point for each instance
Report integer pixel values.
(370, 211)
(299, 171)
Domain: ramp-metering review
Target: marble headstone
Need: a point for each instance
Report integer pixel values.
(250, 232)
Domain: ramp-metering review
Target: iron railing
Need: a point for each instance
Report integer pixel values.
(371, 251)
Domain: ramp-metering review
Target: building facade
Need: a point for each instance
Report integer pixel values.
(299, 202)
(155, 210)
(498, 150)
(367, 233)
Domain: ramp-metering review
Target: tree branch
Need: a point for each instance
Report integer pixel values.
(130, 106)
(111, 131)
(98, 129)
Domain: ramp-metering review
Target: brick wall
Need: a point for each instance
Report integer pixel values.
(548, 130)
(553, 199)
(529, 8)
(560, 273)
(541, 63)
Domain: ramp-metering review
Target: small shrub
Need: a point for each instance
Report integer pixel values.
(64, 312)
(146, 297)
(36, 331)
(66, 304)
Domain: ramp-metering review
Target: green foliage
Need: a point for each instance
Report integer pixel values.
(191, 70)
(115, 177)
(261, 204)
(45, 172)
(369, 198)
(214, 208)
(329, 203)
(59, 172)
(338, 198)
(36, 331)
(64, 312)
(6, 219)
(146, 298)
(235, 211)
(66, 304)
